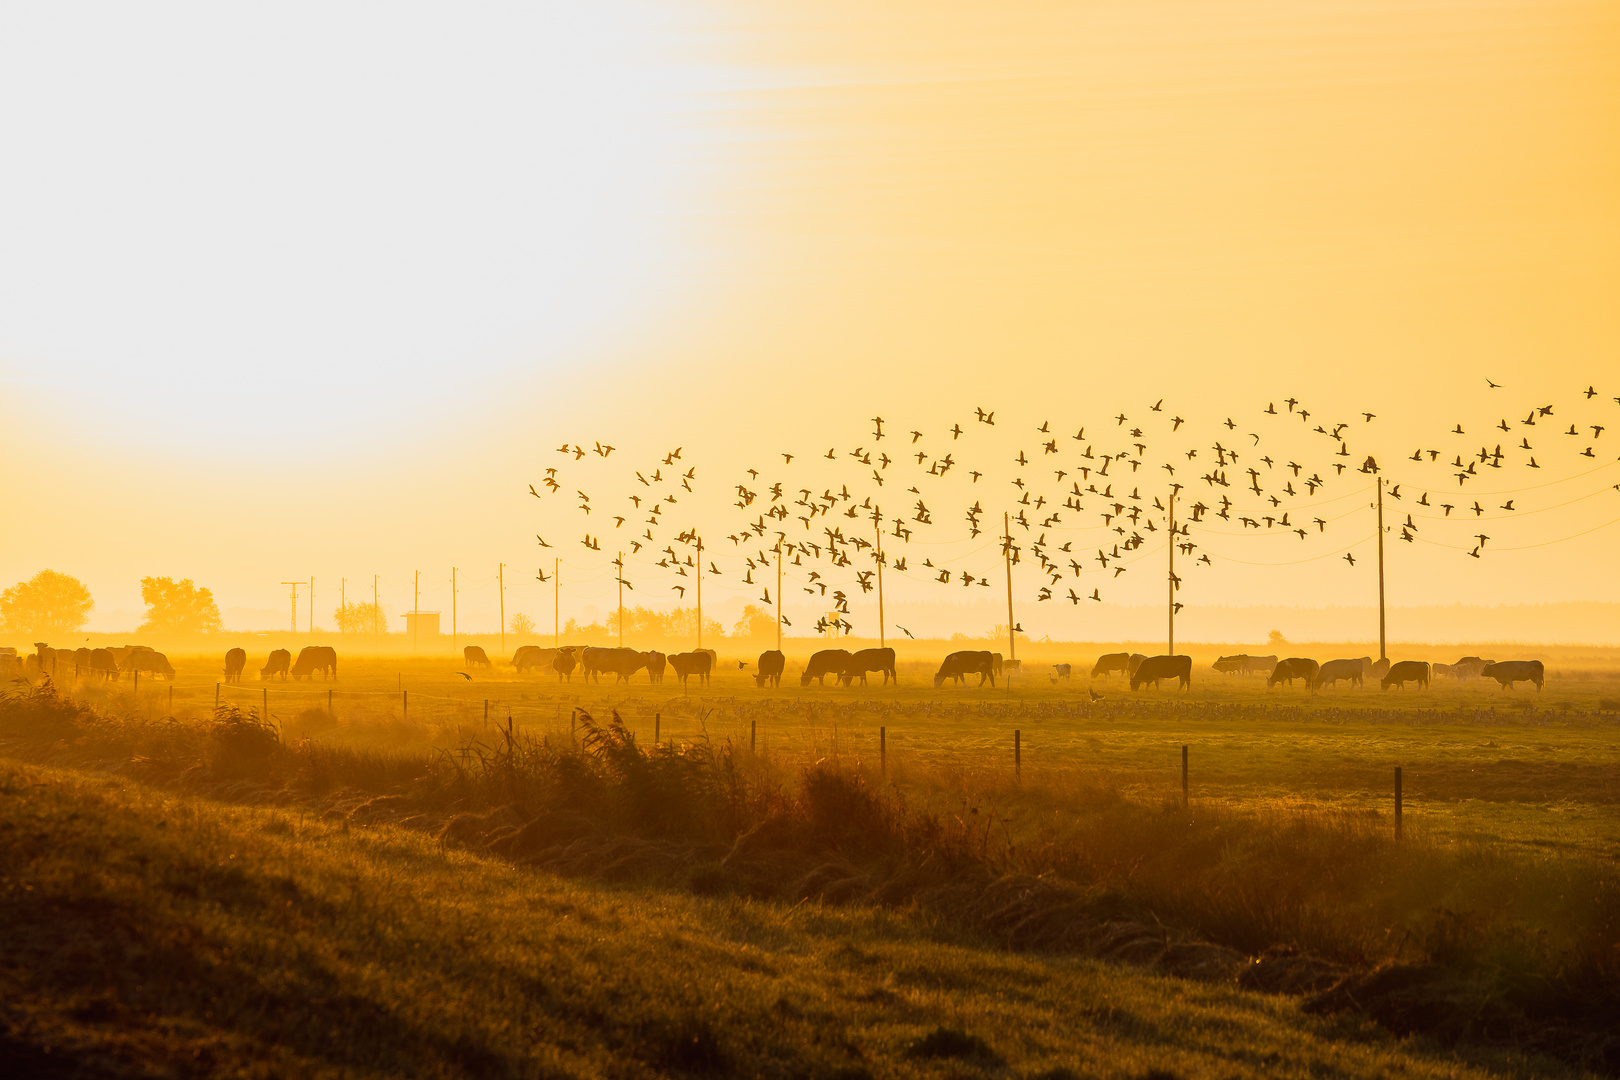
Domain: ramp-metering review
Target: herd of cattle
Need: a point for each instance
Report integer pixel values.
(845, 666)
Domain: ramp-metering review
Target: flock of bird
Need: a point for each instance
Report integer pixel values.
(1084, 503)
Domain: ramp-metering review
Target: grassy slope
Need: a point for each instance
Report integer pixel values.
(151, 933)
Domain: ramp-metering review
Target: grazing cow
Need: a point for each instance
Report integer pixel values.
(1404, 672)
(280, 660)
(699, 662)
(1062, 671)
(103, 664)
(1135, 662)
(1437, 670)
(1108, 663)
(474, 656)
(1229, 665)
(1379, 669)
(771, 665)
(865, 660)
(714, 658)
(823, 663)
(81, 661)
(154, 663)
(997, 662)
(1295, 667)
(1154, 668)
(313, 658)
(235, 661)
(529, 657)
(654, 662)
(564, 663)
(1334, 670)
(1470, 667)
(621, 662)
(1508, 672)
(1013, 665)
(967, 662)
(44, 658)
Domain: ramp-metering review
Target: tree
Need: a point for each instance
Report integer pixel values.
(1276, 640)
(521, 625)
(756, 623)
(179, 607)
(49, 603)
(357, 618)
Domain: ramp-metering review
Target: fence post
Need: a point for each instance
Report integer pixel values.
(883, 752)
(264, 697)
(486, 712)
(753, 735)
(1397, 802)
(1018, 753)
(1184, 778)
(216, 695)
(658, 719)
(137, 690)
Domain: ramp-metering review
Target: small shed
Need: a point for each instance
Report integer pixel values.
(421, 624)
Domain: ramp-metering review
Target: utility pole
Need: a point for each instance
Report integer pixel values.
(779, 596)
(502, 575)
(294, 585)
(877, 513)
(416, 614)
(1171, 650)
(618, 562)
(1006, 555)
(700, 593)
(452, 611)
(1383, 653)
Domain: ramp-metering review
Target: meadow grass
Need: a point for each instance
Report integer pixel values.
(155, 933)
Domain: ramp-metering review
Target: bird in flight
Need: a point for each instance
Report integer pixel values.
(542, 540)
(1349, 558)
(903, 630)
(1492, 385)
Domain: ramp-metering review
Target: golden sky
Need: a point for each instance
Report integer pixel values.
(339, 333)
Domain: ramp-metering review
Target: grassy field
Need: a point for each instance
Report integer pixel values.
(1283, 860)
(156, 934)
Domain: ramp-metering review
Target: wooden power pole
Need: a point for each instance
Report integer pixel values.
(1006, 555)
(294, 585)
(700, 593)
(1383, 649)
(877, 513)
(779, 596)
(1171, 648)
(618, 564)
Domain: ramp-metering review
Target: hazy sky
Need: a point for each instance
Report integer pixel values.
(302, 289)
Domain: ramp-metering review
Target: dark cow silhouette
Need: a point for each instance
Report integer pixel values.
(147, 660)
(474, 656)
(698, 662)
(1508, 672)
(313, 658)
(81, 660)
(44, 658)
(564, 662)
(967, 662)
(1295, 667)
(280, 660)
(1062, 671)
(1379, 669)
(1334, 670)
(1134, 663)
(1154, 668)
(865, 660)
(103, 664)
(235, 661)
(771, 665)
(1229, 665)
(1111, 662)
(997, 662)
(529, 657)
(1470, 667)
(1404, 672)
(654, 661)
(621, 662)
(823, 663)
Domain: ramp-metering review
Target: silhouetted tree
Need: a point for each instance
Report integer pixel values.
(756, 622)
(179, 607)
(357, 618)
(521, 625)
(49, 603)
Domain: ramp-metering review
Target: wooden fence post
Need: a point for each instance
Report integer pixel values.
(753, 735)
(1397, 802)
(486, 712)
(264, 698)
(216, 695)
(658, 720)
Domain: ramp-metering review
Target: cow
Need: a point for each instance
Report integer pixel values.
(44, 658)
(149, 661)
(1108, 663)
(280, 660)
(997, 662)
(1134, 663)
(1404, 672)
(1062, 671)
(699, 662)
(1229, 665)
(1508, 672)
(865, 660)
(11, 665)
(1154, 668)
(313, 658)
(1470, 667)
(235, 661)
(1437, 670)
(1013, 665)
(621, 662)
(81, 662)
(1334, 670)
(823, 663)
(771, 665)
(967, 662)
(474, 656)
(654, 662)
(1259, 665)
(563, 663)
(1379, 668)
(529, 657)
(104, 664)
(1295, 667)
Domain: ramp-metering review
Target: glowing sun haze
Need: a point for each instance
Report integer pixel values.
(317, 289)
